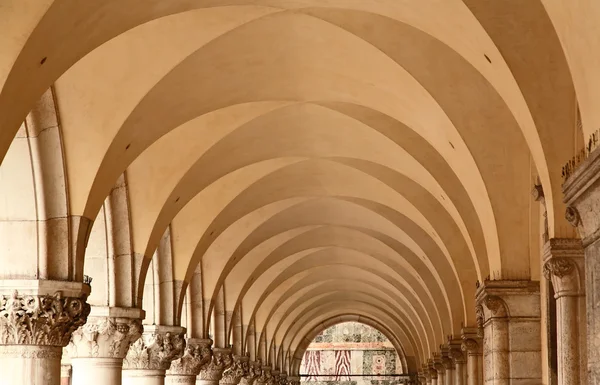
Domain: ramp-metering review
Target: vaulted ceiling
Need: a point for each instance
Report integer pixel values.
(310, 159)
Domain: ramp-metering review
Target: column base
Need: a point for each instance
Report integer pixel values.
(30, 365)
(103, 371)
(143, 377)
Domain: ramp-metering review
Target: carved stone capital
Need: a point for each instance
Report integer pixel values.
(50, 320)
(558, 267)
(457, 356)
(495, 305)
(283, 378)
(238, 369)
(108, 333)
(158, 346)
(265, 377)
(221, 359)
(254, 371)
(471, 346)
(197, 354)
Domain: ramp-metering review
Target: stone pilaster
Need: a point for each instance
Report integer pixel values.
(582, 197)
(212, 373)
(151, 355)
(184, 370)
(472, 346)
(98, 348)
(512, 335)
(564, 265)
(236, 371)
(37, 319)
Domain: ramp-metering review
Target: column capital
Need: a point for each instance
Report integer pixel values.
(197, 354)
(455, 352)
(501, 299)
(157, 347)
(564, 265)
(236, 371)
(221, 359)
(265, 376)
(42, 313)
(108, 333)
(254, 370)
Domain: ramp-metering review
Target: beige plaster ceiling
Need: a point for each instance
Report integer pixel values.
(309, 158)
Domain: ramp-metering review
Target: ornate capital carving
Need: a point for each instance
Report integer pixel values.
(495, 305)
(238, 369)
(41, 319)
(106, 337)
(155, 350)
(197, 354)
(265, 376)
(558, 267)
(470, 346)
(479, 316)
(220, 360)
(254, 370)
(457, 356)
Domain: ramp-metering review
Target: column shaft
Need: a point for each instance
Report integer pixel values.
(30, 365)
(143, 377)
(459, 374)
(105, 371)
(495, 351)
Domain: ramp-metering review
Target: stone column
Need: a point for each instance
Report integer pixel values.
(184, 370)
(212, 373)
(254, 370)
(448, 365)
(433, 373)
(472, 347)
(236, 371)
(512, 336)
(150, 356)
(37, 319)
(438, 365)
(459, 361)
(564, 266)
(98, 348)
(582, 196)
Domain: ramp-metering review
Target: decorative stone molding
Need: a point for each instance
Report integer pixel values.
(41, 319)
(238, 369)
(293, 380)
(106, 337)
(254, 370)
(283, 378)
(274, 377)
(457, 356)
(495, 305)
(480, 319)
(156, 348)
(471, 346)
(265, 376)
(220, 360)
(558, 267)
(197, 354)
(572, 216)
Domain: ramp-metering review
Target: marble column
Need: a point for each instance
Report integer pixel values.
(98, 348)
(150, 356)
(512, 335)
(564, 266)
(472, 346)
(433, 373)
(438, 365)
(236, 371)
(38, 318)
(212, 373)
(582, 197)
(184, 370)
(458, 360)
(448, 365)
